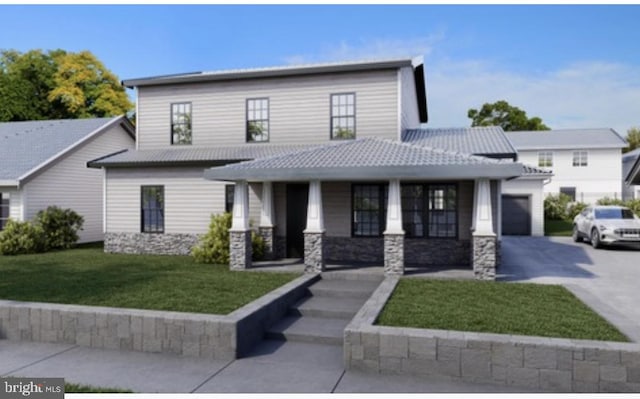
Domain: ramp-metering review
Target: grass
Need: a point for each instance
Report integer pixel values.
(503, 308)
(561, 228)
(88, 276)
(77, 388)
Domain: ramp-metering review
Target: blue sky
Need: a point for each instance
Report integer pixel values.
(574, 66)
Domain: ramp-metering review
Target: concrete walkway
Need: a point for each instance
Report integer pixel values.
(273, 367)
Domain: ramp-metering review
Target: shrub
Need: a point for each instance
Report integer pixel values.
(20, 238)
(574, 209)
(60, 227)
(555, 206)
(214, 246)
(634, 205)
(610, 201)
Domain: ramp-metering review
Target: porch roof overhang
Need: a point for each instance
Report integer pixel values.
(367, 159)
(8, 183)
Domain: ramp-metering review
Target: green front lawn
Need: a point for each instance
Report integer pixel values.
(561, 228)
(493, 307)
(78, 388)
(87, 276)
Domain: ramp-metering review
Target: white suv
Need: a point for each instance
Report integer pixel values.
(606, 225)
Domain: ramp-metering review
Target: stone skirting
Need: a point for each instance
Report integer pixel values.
(149, 243)
(436, 252)
(484, 257)
(240, 250)
(188, 334)
(354, 249)
(267, 235)
(529, 363)
(394, 254)
(314, 254)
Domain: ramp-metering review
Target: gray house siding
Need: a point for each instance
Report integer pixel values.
(298, 107)
(409, 115)
(68, 183)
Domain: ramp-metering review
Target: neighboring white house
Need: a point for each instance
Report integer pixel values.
(586, 163)
(44, 163)
(630, 191)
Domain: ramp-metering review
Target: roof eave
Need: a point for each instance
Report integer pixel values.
(569, 147)
(439, 172)
(266, 73)
(9, 183)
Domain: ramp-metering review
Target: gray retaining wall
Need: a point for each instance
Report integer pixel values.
(531, 363)
(189, 334)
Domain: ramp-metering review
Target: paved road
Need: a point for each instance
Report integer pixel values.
(607, 279)
(274, 367)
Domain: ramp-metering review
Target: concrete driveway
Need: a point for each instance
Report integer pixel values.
(607, 279)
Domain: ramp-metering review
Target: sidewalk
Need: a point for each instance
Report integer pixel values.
(274, 366)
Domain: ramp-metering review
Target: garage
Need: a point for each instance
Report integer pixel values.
(516, 215)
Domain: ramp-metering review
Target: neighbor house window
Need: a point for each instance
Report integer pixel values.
(229, 190)
(580, 158)
(432, 205)
(152, 209)
(343, 116)
(545, 159)
(369, 209)
(570, 191)
(257, 119)
(181, 132)
(4, 209)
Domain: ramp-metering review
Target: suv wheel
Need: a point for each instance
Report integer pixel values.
(576, 234)
(595, 238)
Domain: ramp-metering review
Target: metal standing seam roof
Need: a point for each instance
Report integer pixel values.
(566, 139)
(27, 146)
(199, 155)
(631, 155)
(367, 158)
(490, 140)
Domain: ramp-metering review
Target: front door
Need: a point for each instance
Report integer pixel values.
(297, 196)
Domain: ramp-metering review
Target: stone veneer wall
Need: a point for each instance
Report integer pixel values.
(188, 334)
(530, 363)
(417, 251)
(314, 252)
(484, 257)
(149, 243)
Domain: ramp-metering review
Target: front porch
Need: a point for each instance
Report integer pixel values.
(371, 201)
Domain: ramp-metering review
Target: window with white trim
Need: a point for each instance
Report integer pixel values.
(181, 132)
(257, 120)
(4, 209)
(343, 116)
(545, 159)
(580, 158)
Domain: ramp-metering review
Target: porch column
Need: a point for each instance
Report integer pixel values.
(240, 233)
(483, 243)
(267, 220)
(394, 234)
(314, 233)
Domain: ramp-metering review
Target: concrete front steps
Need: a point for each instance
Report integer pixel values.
(323, 314)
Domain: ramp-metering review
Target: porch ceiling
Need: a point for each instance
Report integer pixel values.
(367, 159)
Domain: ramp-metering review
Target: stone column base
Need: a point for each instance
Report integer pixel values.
(240, 250)
(394, 254)
(314, 252)
(269, 242)
(484, 257)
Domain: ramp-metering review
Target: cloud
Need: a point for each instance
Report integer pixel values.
(577, 95)
(580, 95)
(369, 49)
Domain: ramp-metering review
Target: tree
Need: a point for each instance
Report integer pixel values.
(502, 114)
(58, 85)
(633, 138)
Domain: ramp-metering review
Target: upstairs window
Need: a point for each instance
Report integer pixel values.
(343, 116)
(4, 210)
(152, 209)
(580, 158)
(257, 120)
(545, 159)
(181, 132)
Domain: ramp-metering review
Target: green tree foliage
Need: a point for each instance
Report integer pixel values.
(633, 138)
(58, 85)
(503, 114)
(19, 238)
(60, 226)
(555, 206)
(214, 246)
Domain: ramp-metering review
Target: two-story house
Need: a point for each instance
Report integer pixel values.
(586, 163)
(328, 162)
